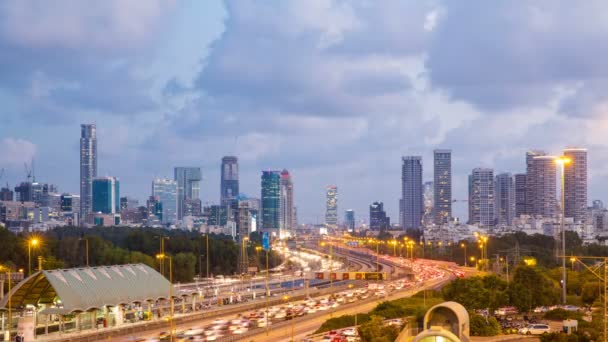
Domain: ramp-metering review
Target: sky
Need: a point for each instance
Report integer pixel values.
(335, 91)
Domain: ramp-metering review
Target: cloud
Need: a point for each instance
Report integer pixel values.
(16, 151)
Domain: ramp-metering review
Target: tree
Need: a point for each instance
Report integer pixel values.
(489, 292)
(480, 326)
(531, 288)
(376, 331)
(183, 267)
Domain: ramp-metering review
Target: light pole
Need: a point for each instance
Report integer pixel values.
(7, 270)
(162, 257)
(207, 252)
(86, 246)
(464, 245)
(30, 244)
(562, 161)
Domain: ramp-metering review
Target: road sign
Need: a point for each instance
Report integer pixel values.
(266, 241)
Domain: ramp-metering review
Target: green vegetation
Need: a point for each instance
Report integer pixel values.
(480, 326)
(376, 331)
(561, 314)
(65, 247)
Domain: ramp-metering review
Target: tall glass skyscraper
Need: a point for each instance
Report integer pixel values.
(230, 180)
(331, 202)
(188, 186)
(106, 195)
(166, 192)
(271, 203)
(349, 220)
(481, 197)
(287, 208)
(575, 183)
(411, 193)
(88, 167)
(504, 192)
(442, 182)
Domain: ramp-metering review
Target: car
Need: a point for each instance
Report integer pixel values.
(535, 329)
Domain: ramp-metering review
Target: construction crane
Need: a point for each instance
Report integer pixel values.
(1, 173)
(28, 172)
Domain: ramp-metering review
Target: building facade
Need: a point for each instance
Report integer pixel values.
(442, 183)
(412, 195)
(287, 205)
(271, 202)
(531, 179)
(106, 195)
(188, 186)
(520, 194)
(481, 197)
(349, 220)
(331, 205)
(166, 192)
(504, 192)
(377, 217)
(541, 186)
(575, 184)
(88, 167)
(229, 186)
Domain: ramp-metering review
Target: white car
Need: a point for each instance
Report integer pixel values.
(535, 329)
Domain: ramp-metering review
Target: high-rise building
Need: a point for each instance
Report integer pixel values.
(530, 179)
(106, 195)
(481, 197)
(377, 217)
(412, 200)
(166, 191)
(428, 199)
(229, 187)
(520, 194)
(188, 186)
(6, 194)
(349, 220)
(88, 167)
(24, 192)
(442, 182)
(575, 184)
(154, 210)
(331, 202)
(271, 203)
(504, 192)
(70, 203)
(541, 186)
(287, 208)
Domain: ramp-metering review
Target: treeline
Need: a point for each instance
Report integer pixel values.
(65, 247)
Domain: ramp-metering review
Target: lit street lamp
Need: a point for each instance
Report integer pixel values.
(464, 245)
(32, 243)
(563, 161)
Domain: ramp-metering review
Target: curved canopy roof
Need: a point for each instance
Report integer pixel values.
(83, 289)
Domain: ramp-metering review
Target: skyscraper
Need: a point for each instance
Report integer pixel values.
(411, 193)
(88, 167)
(541, 186)
(106, 195)
(377, 217)
(442, 183)
(271, 203)
(331, 201)
(520, 194)
(481, 197)
(530, 179)
(188, 186)
(349, 220)
(287, 208)
(575, 184)
(229, 187)
(166, 192)
(504, 192)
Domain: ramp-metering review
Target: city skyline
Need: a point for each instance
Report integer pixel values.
(165, 86)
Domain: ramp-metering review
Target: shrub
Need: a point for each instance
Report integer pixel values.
(482, 327)
(561, 314)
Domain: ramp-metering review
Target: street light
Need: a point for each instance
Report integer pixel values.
(572, 261)
(7, 270)
(563, 161)
(464, 245)
(86, 242)
(161, 257)
(32, 243)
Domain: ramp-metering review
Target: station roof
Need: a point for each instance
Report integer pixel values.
(84, 289)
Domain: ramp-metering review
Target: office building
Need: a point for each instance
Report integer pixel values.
(229, 187)
(541, 186)
(188, 186)
(412, 197)
(70, 203)
(575, 184)
(6, 194)
(166, 191)
(271, 202)
(349, 220)
(217, 215)
(442, 182)
(88, 167)
(377, 217)
(154, 211)
(520, 194)
(481, 197)
(429, 201)
(106, 195)
(504, 192)
(128, 203)
(331, 205)
(530, 179)
(287, 205)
